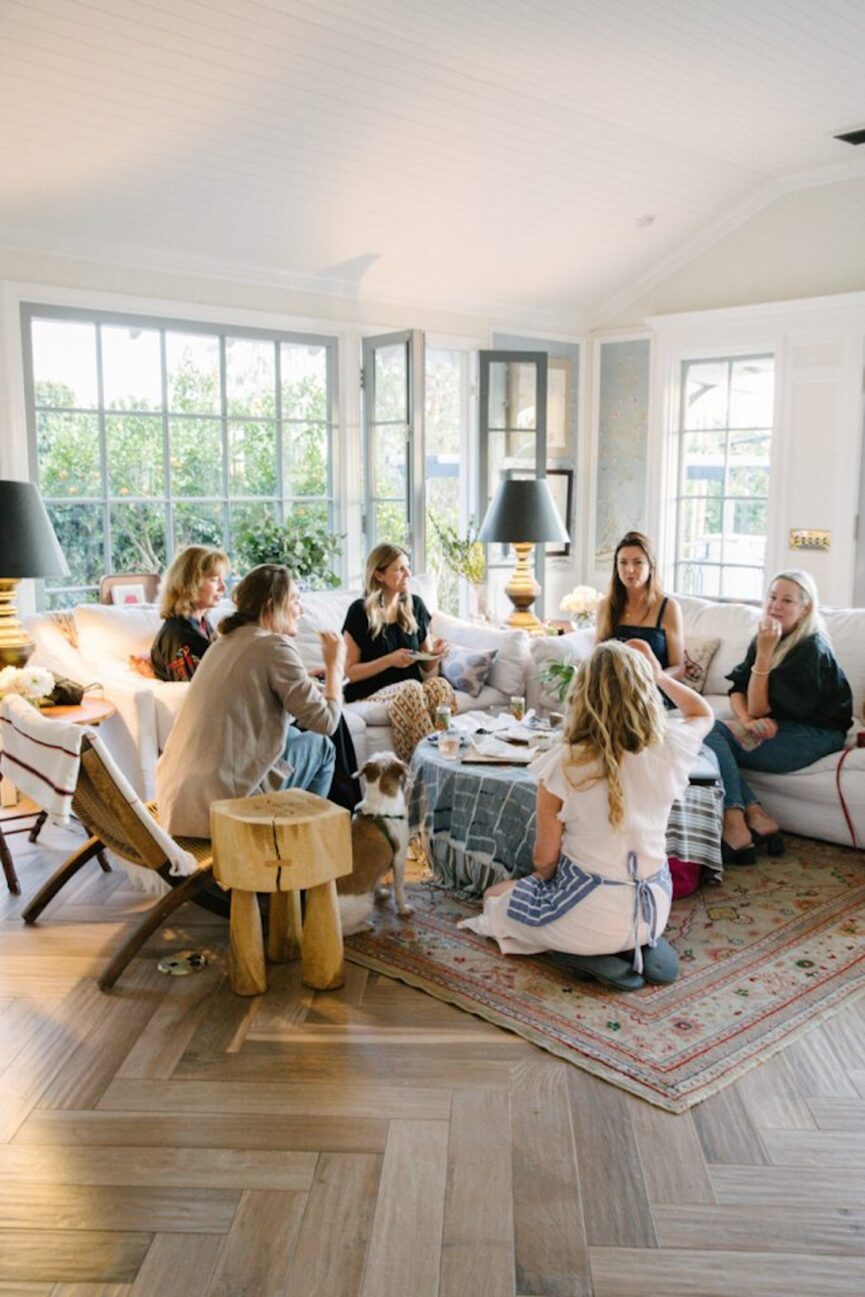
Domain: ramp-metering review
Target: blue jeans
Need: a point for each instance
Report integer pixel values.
(793, 747)
(312, 757)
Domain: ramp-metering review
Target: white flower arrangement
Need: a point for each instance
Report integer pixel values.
(581, 604)
(32, 683)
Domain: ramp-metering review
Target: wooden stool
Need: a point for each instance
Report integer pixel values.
(282, 843)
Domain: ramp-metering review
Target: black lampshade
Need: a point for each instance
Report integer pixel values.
(523, 512)
(28, 546)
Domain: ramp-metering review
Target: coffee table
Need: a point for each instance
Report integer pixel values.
(476, 823)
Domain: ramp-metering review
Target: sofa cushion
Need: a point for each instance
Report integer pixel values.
(734, 624)
(573, 647)
(108, 633)
(699, 653)
(846, 627)
(508, 674)
(468, 669)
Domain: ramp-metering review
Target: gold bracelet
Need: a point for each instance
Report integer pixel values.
(755, 671)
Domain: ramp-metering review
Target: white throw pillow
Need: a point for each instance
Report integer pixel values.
(511, 647)
(734, 624)
(698, 658)
(574, 647)
(111, 632)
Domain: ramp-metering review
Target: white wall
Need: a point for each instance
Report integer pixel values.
(819, 346)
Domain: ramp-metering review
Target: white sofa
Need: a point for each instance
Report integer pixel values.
(107, 635)
(806, 801)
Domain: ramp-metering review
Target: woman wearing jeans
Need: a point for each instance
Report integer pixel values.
(791, 705)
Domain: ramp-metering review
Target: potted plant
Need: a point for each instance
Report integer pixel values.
(306, 547)
(466, 556)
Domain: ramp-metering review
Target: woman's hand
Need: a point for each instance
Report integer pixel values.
(440, 647)
(401, 658)
(762, 727)
(640, 646)
(332, 650)
(768, 634)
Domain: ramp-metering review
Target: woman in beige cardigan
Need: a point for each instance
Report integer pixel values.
(234, 736)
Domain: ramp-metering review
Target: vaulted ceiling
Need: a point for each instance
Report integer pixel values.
(531, 156)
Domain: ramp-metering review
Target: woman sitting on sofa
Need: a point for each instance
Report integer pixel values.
(234, 734)
(385, 632)
(635, 606)
(193, 584)
(791, 705)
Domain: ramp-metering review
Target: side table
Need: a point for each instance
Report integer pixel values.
(282, 843)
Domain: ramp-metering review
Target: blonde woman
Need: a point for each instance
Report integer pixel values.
(192, 586)
(791, 705)
(601, 884)
(384, 634)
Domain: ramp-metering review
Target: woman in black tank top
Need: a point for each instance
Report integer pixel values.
(635, 607)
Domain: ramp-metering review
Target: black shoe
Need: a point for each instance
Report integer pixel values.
(738, 855)
(612, 970)
(773, 842)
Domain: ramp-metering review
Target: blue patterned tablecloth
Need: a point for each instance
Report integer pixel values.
(476, 823)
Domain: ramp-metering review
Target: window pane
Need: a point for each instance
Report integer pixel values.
(250, 376)
(388, 460)
(304, 382)
(196, 456)
(134, 450)
(748, 480)
(248, 518)
(513, 395)
(442, 500)
(742, 583)
(64, 363)
(391, 523)
(444, 377)
(750, 519)
(252, 458)
(752, 392)
(80, 534)
(700, 522)
(699, 580)
(193, 373)
(315, 512)
(131, 368)
(137, 537)
(67, 446)
(305, 459)
(705, 395)
(752, 447)
(391, 384)
(198, 524)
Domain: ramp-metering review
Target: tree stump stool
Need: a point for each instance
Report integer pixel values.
(282, 843)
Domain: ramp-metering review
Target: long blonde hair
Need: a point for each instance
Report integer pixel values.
(613, 606)
(811, 623)
(613, 707)
(379, 559)
(181, 585)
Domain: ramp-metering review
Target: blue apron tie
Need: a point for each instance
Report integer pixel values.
(645, 908)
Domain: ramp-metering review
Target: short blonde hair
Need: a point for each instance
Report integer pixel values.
(613, 707)
(181, 585)
(380, 558)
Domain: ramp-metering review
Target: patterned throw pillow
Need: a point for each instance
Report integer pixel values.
(698, 659)
(142, 666)
(467, 669)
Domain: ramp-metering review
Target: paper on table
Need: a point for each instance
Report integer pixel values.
(489, 748)
(471, 722)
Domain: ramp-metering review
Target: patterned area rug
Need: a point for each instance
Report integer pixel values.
(764, 956)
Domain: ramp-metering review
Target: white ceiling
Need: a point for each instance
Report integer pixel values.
(484, 154)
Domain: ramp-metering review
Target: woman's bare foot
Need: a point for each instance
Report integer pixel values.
(759, 822)
(737, 833)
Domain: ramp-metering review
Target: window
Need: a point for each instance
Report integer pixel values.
(725, 442)
(446, 399)
(151, 434)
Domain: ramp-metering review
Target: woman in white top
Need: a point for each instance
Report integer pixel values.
(601, 884)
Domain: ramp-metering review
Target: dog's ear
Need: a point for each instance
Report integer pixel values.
(402, 767)
(371, 771)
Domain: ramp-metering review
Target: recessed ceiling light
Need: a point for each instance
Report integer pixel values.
(643, 221)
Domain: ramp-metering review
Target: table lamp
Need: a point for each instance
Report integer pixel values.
(28, 548)
(524, 514)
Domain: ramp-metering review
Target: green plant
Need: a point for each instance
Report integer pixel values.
(302, 544)
(465, 555)
(556, 678)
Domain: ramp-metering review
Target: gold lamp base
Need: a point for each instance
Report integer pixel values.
(15, 644)
(522, 589)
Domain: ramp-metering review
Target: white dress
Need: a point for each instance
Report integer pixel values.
(593, 892)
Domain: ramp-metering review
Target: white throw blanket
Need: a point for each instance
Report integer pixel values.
(42, 756)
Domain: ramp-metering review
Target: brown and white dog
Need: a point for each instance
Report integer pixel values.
(379, 840)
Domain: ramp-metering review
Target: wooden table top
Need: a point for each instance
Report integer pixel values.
(90, 711)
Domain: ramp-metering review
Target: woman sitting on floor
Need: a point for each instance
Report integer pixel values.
(192, 586)
(635, 606)
(234, 734)
(384, 634)
(600, 893)
(791, 705)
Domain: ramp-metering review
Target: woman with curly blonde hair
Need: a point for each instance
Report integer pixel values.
(601, 885)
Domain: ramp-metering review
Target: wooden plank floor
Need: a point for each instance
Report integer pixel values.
(171, 1138)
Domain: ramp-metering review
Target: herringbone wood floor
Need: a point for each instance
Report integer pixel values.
(172, 1140)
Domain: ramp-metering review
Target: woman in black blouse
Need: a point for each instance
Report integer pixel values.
(791, 705)
(385, 634)
(193, 585)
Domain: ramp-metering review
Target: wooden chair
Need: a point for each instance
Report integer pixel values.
(105, 812)
(148, 581)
